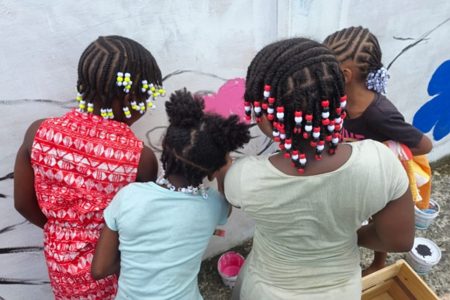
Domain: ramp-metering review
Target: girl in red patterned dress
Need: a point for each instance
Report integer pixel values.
(69, 168)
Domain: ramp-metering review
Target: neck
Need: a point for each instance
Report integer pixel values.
(358, 99)
(177, 180)
(179, 184)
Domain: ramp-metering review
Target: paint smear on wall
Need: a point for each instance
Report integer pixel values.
(228, 99)
(436, 112)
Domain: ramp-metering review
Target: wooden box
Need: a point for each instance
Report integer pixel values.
(398, 282)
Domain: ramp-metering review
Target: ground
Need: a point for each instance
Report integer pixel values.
(438, 279)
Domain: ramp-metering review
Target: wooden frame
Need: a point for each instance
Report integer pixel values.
(397, 281)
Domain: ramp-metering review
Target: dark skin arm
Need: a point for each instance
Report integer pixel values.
(392, 229)
(25, 201)
(423, 147)
(106, 259)
(148, 166)
(220, 177)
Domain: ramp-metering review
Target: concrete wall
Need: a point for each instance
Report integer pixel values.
(214, 41)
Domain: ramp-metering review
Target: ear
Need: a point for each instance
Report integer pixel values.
(348, 74)
(265, 126)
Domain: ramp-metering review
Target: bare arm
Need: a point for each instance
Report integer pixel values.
(148, 166)
(392, 229)
(106, 259)
(423, 147)
(25, 200)
(220, 174)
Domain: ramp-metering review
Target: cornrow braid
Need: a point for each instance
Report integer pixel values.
(301, 80)
(359, 45)
(101, 62)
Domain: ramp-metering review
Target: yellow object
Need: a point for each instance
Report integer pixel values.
(419, 173)
(422, 169)
(397, 281)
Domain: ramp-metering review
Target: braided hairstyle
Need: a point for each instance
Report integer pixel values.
(297, 84)
(359, 45)
(196, 143)
(103, 59)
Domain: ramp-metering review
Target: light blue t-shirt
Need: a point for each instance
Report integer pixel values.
(163, 235)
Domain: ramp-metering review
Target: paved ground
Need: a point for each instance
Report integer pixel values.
(438, 279)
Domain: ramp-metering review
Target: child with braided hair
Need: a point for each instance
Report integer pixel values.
(69, 168)
(370, 115)
(163, 228)
(308, 200)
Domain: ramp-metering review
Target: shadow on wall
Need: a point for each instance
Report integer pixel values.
(435, 114)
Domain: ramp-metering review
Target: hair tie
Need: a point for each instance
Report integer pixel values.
(377, 80)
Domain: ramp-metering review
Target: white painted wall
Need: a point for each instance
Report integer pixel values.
(42, 42)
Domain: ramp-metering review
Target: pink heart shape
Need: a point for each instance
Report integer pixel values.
(228, 100)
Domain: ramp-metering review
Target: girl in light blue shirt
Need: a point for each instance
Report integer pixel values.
(156, 233)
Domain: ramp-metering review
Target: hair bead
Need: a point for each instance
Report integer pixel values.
(343, 101)
(280, 113)
(247, 110)
(257, 110)
(127, 112)
(267, 89)
(325, 109)
(90, 107)
(288, 144)
(110, 113)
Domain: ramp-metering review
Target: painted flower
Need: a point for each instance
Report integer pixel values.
(436, 112)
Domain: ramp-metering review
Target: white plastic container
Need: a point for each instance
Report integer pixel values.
(424, 255)
(425, 218)
(229, 265)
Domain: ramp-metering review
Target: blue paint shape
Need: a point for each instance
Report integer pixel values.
(436, 112)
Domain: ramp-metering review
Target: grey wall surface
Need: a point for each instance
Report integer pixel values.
(213, 41)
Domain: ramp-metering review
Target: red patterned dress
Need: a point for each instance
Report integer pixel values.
(80, 162)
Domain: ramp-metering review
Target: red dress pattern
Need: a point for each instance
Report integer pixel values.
(80, 162)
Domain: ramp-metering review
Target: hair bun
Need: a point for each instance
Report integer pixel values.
(228, 134)
(184, 110)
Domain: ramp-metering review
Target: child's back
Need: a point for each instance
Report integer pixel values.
(69, 168)
(163, 229)
(163, 235)
(381, 121)
(370, 114)
(80, 162)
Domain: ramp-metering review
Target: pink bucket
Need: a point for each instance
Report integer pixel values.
(229, 265)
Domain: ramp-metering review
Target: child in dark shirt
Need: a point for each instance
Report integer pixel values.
(370, 115)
